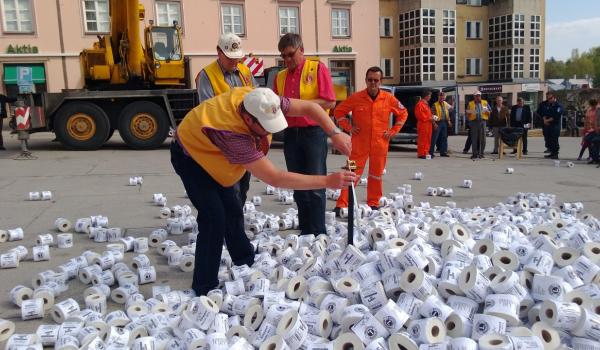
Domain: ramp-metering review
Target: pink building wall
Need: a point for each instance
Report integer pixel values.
(201, 20)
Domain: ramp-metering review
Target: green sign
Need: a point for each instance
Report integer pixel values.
(342, 48)
(21, 49)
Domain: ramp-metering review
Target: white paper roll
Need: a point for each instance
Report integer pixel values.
(487, 324)
(62, 224)
(433, 306)
(549, 336)
(275, 342)
(369, 328)
(20, 293)
(588, 325)
(401, 341)
(505, 306)
(347, 341)
(40, 253)
(474, 284)
(427, 330)
(293, 330)
(462, 343)
(560, 315)
(46, 294)
(47, 334)
(32, 309)
(64, 240)
(96, 302)
(62, 310)
(495, 342)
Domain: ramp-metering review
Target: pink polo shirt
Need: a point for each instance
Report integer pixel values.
(292, 90)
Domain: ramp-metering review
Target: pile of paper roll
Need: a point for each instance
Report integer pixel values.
(523, 274)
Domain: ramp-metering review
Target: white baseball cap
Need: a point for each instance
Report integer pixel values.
(265, 106)
(477, 93)
(231, 45)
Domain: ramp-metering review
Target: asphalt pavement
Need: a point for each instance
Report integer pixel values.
(96, 182)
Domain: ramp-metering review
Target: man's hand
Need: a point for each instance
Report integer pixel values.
(341, 179)
(388, 134)
(343, 143)
(355, 130)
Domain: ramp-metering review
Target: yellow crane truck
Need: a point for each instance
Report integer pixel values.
(139, 87)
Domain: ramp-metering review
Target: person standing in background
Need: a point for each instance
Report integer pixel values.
(478, 114)
(551, 112)
(439, 138)
(520, 117)
(305, 143)
(589, 126)
(499, 119)
(4, 114)
(425, 122)
(220, 76)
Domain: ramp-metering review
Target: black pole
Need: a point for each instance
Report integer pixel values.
(350, 215)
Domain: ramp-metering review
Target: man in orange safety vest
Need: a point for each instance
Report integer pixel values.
(371, 132)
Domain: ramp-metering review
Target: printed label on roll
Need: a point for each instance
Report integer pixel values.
(487, 324)
(369, 329)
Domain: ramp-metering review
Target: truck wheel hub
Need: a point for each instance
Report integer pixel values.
(81, 127)
(143, 126)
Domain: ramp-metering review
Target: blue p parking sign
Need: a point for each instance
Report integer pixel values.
(25, 79)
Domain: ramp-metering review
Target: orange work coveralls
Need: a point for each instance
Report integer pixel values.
(424, 127)
(372, 117)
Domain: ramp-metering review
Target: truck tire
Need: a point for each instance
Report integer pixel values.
(143, 125)
(81, 125)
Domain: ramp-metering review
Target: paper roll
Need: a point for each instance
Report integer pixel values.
(47, 334)
(204, 311)
(296, 287)
(487, 324)
(64, 240)
(495, 342)
(392, 317)
(474, 284)
(414, 281)
(462, 343)
(401, 341)
(147, 274)
(427, 330)
(46, 294)
(62, 310)
(3, 236)
(506, 260)
(293, 330)
(592, 251)
(505, 306)
(560, 315)
(584, 344)
(439, 232)
(433, 306)
(348, 341)
(62, 224)
(253, 317)
(588, 326)
(9, 260)
(458, 326)
(40, 253)
(347, 287)
(369, 328)
(275, 342)
(96, 302)
(32, 309)
(20, 293)
(549, 336)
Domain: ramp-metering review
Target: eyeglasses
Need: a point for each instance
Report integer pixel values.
(289, 55)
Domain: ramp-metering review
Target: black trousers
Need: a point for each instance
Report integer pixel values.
(552, 134)
(220, 219)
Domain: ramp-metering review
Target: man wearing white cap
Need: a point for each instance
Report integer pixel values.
(214, 146)
(224, 73)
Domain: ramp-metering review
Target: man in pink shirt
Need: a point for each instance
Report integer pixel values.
(305, 143)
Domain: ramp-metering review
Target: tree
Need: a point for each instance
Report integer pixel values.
(555, 69)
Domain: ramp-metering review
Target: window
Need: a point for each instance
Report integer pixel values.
(500, 31)
(449, 26)
(519, 30)
(232, 18)
(449, 67)
(340, 23)
(410, 30)
(428, 63)
(535, 30)
(288, 20)
(534, 63)
(386, 67)
(167, 12)
(473, 66)
(385, 27)
(428, 25)
(17, 16)
(96, 16)
(518, 62)
(410, 66)
(500, 64)
(473, 29)
(474, 2)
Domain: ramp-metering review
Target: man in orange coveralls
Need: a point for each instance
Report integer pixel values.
(371, 132)
(424, 124)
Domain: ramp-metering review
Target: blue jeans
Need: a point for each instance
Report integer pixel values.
(220, 218)
(305, 151)
(439, 138)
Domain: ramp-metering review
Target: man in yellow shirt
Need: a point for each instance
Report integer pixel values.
(478, 114)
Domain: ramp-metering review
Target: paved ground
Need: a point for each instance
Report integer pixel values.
(92, 183)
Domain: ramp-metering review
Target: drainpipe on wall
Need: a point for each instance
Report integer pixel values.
(62, 44)
(316, 28)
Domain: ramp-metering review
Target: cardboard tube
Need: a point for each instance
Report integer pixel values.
(427, 330)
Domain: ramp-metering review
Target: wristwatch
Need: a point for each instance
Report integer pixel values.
(335, 131)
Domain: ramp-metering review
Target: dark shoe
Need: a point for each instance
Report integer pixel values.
(444, 155)
(373, 207)
(474, 157)
(337, 211)
(579, 158)
(547, 151)
(422, 157)
(494, 152)
(465, 151)
(514, 151)
(524, 152)
(481, 156)
(2, 148)
(552, 156)
(591, 162)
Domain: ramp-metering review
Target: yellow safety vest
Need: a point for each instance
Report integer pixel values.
(220, 113)
(309, 86)
(485, 115)
(217, 79)
(438, 110)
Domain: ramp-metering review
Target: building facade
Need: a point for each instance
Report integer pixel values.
(48, 35)
(495, 46)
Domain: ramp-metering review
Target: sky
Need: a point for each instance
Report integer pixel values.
(571, 24)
